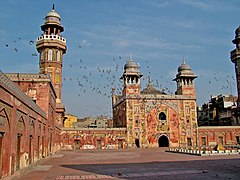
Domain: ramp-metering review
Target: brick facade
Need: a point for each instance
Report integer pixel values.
(27, 133)
(89, 138)
(210, 136)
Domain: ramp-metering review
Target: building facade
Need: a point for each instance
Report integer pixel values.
(94, 138)
(153, 118)
(219, 111)
(27, 131)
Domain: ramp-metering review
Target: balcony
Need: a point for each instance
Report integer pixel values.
(51, 37)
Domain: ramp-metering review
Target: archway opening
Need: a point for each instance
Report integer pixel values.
(137, 143)
(163, 141)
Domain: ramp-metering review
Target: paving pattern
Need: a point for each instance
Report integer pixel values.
(132, 164)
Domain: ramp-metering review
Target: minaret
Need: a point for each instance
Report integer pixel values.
(131, 77)
(185, 80)
(51, 47)
(235, 57)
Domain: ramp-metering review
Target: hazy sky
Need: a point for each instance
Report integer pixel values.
(101, 34)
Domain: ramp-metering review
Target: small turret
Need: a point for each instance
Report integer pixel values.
(131, 77)
(185, 80)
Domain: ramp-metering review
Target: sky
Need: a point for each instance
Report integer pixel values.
(101, 34)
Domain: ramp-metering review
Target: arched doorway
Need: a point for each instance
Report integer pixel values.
(137, 143)
(163, 141)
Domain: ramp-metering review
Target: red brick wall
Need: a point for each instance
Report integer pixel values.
(21, 117)
(214, 134)
(110, 138)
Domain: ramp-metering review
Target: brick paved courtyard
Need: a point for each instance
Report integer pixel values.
(131, 164)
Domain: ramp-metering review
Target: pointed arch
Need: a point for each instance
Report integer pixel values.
(50, 55)
(31, 126)
(4, 119)
(21, 126)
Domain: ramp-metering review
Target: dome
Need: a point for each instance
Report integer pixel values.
(184, 71)
(151, 90)
(131, 68)
(53, 16)
(53, 13)
(237, 32)
(131, 64)
(184, 67)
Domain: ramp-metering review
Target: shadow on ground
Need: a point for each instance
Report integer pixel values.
(223, 169)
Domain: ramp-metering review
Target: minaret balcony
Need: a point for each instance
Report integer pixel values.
(235, 55)
(51, 41)
(51, 37)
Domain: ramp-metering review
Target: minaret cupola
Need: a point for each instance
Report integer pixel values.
(131, 77)
(185, 80)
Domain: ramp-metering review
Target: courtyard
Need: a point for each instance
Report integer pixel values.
(131, 164)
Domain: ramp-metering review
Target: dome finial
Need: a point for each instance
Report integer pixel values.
(53, 7)
(183, 61)
(130, 57)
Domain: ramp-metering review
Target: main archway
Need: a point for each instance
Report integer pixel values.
(163, 141)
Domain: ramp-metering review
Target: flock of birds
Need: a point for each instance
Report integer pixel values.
(14, 46)
(101, 80)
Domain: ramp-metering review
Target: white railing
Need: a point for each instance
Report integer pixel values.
(51, 37)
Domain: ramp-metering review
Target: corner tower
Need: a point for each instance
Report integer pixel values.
(131, 77)
(51, 47)
(185, 80)
(235, 58)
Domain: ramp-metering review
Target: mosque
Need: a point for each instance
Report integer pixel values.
(32, 113)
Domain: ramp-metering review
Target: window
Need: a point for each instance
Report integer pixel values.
(50, 55)
(162, 116)
(203, 141)
(58, 55)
